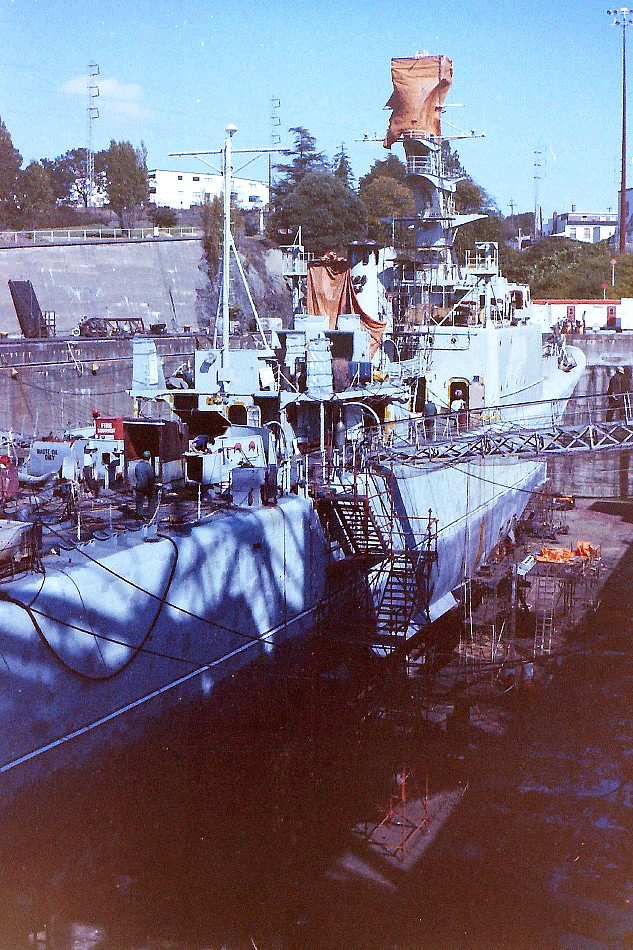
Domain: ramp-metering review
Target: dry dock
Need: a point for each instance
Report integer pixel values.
(248, 827)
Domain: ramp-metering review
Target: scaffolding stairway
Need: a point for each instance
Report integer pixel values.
(397, 600)
(353, 524)
(397, 576)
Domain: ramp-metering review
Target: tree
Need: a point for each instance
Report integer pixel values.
(305, 159)
(68, 175)
(35, 196)
(212, 219)
(471, 198)
(122, 170)
(329, 214)
(163, 217)
(10, 164)
(562, 268)
(390, 167)
(384, 198)
(342, 168)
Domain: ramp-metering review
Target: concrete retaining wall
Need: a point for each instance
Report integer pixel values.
(158, 280)
(607, 473)
(53, 385)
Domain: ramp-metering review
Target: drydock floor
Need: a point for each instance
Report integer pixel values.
(248, 827)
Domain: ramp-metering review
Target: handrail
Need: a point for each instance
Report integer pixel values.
(546, 416)
(569, 418)
(94, 234)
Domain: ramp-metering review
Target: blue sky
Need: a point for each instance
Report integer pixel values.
(536, 77)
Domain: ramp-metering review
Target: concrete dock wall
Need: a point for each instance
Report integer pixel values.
(607, 473)
(159, 280)
(53, 385)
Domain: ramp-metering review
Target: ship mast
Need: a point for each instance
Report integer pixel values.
(424, 241)
(226, 235)
(228, 245)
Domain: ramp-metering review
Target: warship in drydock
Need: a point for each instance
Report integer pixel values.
(277, 460)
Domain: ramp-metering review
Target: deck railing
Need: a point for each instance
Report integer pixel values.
(581, 422)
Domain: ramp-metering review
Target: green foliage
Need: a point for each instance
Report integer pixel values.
(305, 159)
(211, 219)
(342, 168)
(122, 170)
(471, 198)
(523, 222)
(391, 167)
(385, 197)
(163, 217)
(623, 272)
(329, 214)
(312, 198)
(561, 268)
(35, 196)
(452, 161)
(68, 175)
(10, 164)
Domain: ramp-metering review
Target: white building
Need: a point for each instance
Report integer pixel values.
(178, 190)
(585, 316)
(588, 227)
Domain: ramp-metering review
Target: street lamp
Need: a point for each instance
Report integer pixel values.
(623, 17)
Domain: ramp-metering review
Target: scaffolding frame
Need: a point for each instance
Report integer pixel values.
(406, 814)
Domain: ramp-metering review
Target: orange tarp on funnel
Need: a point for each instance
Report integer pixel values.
(330, 292)
(420, 85)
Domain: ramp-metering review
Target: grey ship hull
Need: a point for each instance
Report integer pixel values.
(117, 631)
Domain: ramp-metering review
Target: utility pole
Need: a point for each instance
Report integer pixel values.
(538, 165)
(623, 18)
(93, 113)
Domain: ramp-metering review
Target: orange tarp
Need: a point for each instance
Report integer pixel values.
(556, 555)
(420, 85)
(330, 292)
(584, 549)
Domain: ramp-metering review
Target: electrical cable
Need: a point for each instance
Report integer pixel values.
(264, 638)
(135, 649)
(74, 394)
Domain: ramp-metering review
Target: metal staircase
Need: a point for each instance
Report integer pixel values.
(367, 533)
(397, 599)
(353, 524)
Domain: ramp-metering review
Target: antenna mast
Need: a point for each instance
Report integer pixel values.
(275, 137)
(622, 17)
(93, 113)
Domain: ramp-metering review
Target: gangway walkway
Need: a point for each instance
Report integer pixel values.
(522, 431)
